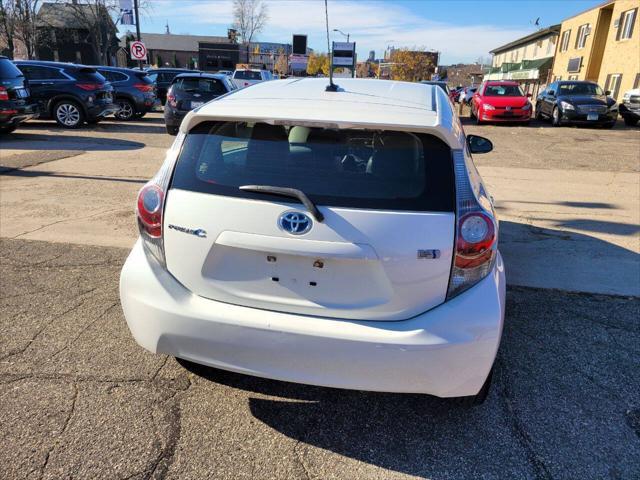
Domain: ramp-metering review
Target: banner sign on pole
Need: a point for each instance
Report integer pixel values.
(126, 12)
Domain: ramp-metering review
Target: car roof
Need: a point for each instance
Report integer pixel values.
(358, 103)
(218, 76)
(577, 81)
(46, 63)
(121, 69)
(169, 69)
(501, 82)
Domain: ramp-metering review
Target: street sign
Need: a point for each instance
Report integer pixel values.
(138, 50)
(344, 55)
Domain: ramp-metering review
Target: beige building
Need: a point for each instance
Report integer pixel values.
(601, 45)
(527, 60)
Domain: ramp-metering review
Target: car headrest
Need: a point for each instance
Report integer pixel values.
(268, 146)
(396, 155)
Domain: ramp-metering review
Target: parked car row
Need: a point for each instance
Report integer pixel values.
(562, 102)
(73, 94)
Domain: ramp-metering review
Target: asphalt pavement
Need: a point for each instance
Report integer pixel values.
(79, 399)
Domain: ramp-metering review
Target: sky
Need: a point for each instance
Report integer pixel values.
(462, 30)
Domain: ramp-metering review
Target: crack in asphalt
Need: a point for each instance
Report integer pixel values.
(85, 328)
(534, 458)
(41, 330)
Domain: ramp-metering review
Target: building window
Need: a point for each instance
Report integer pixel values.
(583, 32)
(56, 56)
(76, 37)
(551, 44)
(564, 43)
(78, 56)
(613, 84)
(53, 36)
(636, 82)
(573, 77)
(625, 25)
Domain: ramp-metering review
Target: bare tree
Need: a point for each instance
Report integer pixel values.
(7, 26)
(95, 17)
(249, 18)
(24, 26)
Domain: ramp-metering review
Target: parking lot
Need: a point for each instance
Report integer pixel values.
(80, 399)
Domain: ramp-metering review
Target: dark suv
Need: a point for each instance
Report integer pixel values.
(134, 91)
(68, 93)
(163, 77)
(15, 103)
(192, 90)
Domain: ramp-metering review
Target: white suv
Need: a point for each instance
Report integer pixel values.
(246, 77)
(331, 238)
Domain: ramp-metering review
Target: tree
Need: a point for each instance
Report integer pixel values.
(95, 16)
(363, 70)
(318, 63)
(411, 65)
(24, 18)
(282, 64)
(7, 27)
(249, 18)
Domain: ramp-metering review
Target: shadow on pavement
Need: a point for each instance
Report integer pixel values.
(44, 141)
(566, 375)
(40, 173)
(546, 258)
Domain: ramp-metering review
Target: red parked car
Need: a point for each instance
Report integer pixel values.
(500, 102)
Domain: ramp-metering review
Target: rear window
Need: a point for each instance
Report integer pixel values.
(8, 70)
(247, 75)
(198, 84)
(88, 75)
(349, 168)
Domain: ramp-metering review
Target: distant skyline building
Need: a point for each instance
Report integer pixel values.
(372, 55)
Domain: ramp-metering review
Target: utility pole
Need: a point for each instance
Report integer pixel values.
(135, 9)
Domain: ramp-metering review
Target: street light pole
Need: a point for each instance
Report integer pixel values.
(345, 34)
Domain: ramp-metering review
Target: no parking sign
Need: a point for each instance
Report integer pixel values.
(138, 51)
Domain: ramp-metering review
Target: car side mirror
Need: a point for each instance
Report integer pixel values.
(529, 95)
(551, 93)
(479, 144)
(608, 92)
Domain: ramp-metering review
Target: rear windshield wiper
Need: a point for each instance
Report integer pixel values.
(287, 192)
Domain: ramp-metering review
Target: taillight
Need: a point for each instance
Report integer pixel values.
(4, 94)
(476, 229)
(143, 87)
(171, 98)
(90, 86)
(150, 200)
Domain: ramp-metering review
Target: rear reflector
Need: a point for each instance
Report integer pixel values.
(90, 86)
(144, 87)
(4, 94)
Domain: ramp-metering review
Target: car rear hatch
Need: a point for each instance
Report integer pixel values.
(193, 92)
(383, 250)
(12, 84)
(90, 79)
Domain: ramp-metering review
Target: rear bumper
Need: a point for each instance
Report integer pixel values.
(173, 117)
(102, 110)
(12, 113)
(628, 112)
(447, 351)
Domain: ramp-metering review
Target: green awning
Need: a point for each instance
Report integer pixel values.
(537, 64)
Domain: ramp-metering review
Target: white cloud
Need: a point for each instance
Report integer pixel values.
(373, 25)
